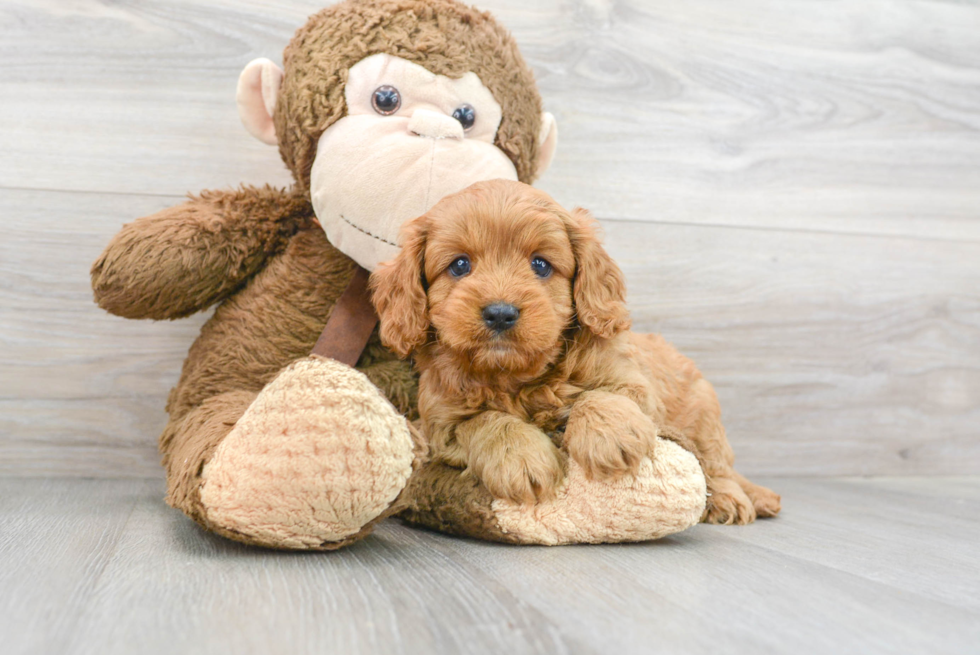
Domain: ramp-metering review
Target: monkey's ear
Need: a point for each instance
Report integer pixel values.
(399, 295)
(258, 89)
(547, 142)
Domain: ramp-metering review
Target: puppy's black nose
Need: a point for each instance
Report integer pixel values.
(500, 316)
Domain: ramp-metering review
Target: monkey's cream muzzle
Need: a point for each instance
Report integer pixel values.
(433, 125)
(384, 163)
(370, 176)
(374, 171)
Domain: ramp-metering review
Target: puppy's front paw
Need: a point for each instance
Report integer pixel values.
(609, 435)
(521, 465)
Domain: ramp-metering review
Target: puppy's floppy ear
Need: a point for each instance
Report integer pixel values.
(599, 289)
(399, 295)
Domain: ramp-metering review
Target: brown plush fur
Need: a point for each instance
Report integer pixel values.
(261, 253)
(186, 258)
(569, 373)
(444, 36)
(442, 499)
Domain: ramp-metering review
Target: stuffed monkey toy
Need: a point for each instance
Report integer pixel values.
(382, 108)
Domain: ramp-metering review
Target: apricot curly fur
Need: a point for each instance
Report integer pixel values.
(568, 373)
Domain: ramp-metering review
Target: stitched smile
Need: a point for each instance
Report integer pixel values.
(361, 229)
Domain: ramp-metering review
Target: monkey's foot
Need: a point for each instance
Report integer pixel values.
(316, 459)
(664, 496)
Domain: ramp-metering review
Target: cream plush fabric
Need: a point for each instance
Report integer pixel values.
(258, 86)
(319, 454)
(666, 496)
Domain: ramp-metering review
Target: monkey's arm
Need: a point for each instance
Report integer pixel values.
(186, 258)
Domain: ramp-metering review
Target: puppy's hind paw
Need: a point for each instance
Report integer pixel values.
(727, 504)
(767, 502)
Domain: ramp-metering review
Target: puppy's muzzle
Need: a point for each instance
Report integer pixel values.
(500, 316)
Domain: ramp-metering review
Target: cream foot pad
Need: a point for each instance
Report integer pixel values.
(666, 496)
(319, 454)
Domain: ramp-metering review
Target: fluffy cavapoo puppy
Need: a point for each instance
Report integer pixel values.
(517, 319)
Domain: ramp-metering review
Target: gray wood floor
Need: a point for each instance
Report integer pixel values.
(854, 565)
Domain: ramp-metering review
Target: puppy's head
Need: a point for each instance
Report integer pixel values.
(496, 274)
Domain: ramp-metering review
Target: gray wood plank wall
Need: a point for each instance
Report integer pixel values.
(793, 189)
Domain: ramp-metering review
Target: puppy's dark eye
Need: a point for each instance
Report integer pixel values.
(541, 267)
(386, 100)
(466, 116)
(460, 266)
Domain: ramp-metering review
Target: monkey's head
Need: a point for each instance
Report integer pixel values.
(386, 106)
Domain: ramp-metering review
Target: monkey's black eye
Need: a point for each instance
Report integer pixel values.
(386, 100)
(460, 266)
(541, 267)
(466, 116)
